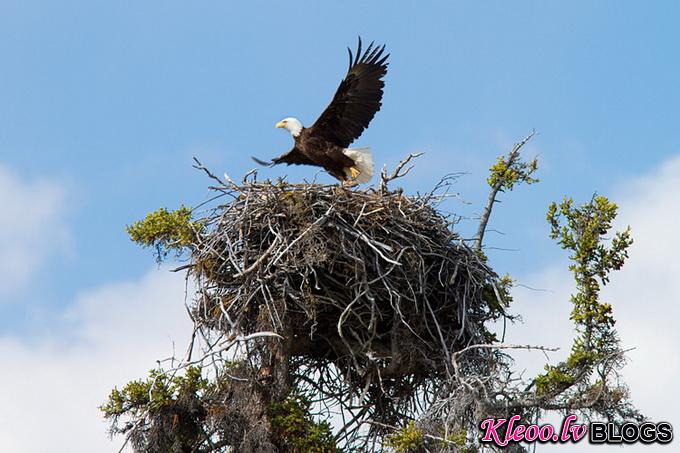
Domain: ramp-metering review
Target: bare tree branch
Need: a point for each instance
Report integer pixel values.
(398, 171)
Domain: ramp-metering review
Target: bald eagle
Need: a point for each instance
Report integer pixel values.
(326, 143)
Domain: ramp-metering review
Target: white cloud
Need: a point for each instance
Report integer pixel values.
(52, 386)
(32, 227)
(644, 294)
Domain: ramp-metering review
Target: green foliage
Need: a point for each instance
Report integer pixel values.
(583, 231)
(162, 412)
(554, 381)
(502, 297)
(460, 441)
(509, 170)
(296, 427)
(165, 230)
(153, 394)
(409, 438)
(497, 295)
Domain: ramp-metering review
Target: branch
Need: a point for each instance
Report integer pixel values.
(384, 179)
(495, 188)
(199, 166)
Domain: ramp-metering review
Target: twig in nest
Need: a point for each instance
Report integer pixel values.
(397, 173)
(199, 166)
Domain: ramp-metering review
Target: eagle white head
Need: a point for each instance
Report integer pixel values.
(292, 125)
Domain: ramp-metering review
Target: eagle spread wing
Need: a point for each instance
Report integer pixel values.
(292, 157)
(357, 99)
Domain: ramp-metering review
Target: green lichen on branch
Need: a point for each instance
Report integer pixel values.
(407, 439)
(166, 230)
(461, 443)
(412, 439)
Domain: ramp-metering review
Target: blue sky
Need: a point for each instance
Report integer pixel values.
(103, 104)
(113, 99)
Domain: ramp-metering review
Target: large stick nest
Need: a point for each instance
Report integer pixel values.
(372, 290)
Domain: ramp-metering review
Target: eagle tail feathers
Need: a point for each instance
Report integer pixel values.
(363, 162)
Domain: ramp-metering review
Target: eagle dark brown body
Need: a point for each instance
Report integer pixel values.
(321, 152)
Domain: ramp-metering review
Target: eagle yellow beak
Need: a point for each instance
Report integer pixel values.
(280, 124)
